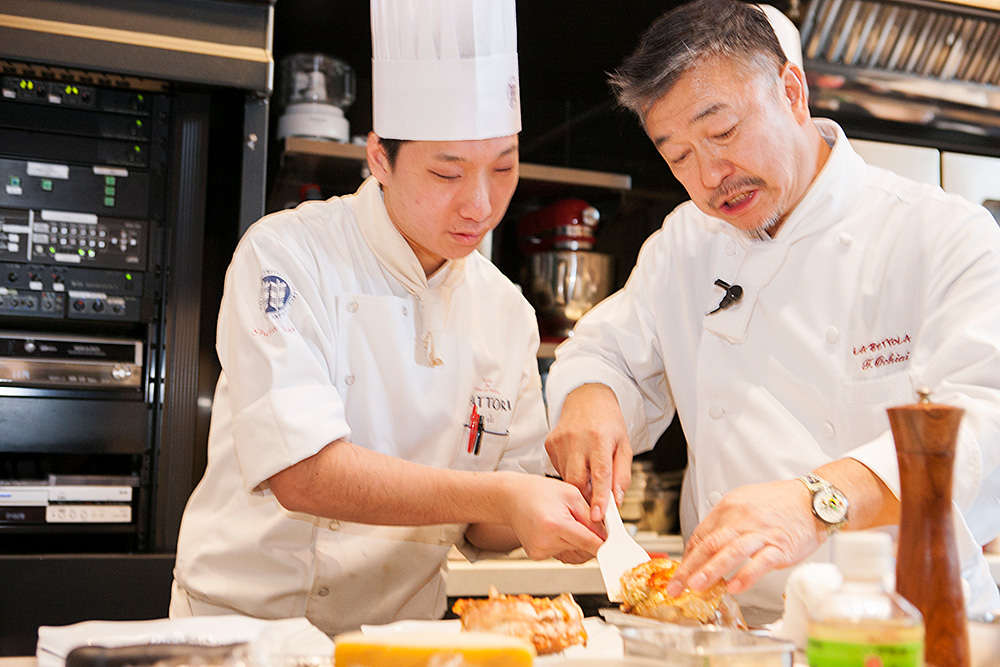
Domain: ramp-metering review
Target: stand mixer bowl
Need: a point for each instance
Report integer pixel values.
(564, 284)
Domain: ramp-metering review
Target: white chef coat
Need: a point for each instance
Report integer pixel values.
(874, 286)
(318, 342)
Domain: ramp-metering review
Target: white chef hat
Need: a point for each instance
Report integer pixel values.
(788, 34)
(444, 70)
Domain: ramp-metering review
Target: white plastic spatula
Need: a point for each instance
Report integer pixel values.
(619, 553)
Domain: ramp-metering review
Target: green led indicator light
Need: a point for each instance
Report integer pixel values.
(109, 190)
(90, 253)
(140, 98)
(80, 251)
(138, 122)
(137, 149)
(15, 181)
(109, 180)
(52, 249)
(128, 276)
(109, 201)
(46, 185)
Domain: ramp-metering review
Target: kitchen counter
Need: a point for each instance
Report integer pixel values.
(519, 574)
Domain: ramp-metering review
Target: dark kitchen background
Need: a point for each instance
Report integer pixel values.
(182, 128)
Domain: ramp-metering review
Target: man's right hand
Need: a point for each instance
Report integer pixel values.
(551, 519)
(589, 447)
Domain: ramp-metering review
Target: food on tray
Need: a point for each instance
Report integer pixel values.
(550, 624)
(644, 593)
(413, 649)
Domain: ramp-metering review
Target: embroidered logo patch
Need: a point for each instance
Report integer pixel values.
(275, 294)
(512, 92)
(491, 414)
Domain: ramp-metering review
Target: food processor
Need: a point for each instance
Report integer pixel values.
(314, 91)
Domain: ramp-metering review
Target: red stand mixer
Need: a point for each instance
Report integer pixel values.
(563, 276)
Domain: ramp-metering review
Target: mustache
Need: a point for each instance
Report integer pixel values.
(729, 188)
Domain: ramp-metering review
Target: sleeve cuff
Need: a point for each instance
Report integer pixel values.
(574, 373)
(879, 456)
(284, 427)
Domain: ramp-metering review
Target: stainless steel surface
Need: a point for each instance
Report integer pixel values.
(563, 285)
(681, 646)
(944, 42)
(913, 61)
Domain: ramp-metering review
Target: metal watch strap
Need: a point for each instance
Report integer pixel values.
(817, 485)
(813, 482)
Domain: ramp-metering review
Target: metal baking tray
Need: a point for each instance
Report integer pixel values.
(683, 646)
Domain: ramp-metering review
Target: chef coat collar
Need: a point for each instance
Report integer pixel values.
(833, 192)
(829, 198)
(397, 257)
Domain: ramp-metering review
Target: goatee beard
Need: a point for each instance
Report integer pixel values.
(762, 231)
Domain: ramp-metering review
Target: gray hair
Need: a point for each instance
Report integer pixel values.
(681, 38)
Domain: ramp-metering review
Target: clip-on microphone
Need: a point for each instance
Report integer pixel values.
(732, 296)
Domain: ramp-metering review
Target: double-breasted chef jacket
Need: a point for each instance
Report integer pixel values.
(318, 342)
(874, 286)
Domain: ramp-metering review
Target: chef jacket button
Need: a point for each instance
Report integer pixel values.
(334, 525)
(714, 497)
(323, 591)
(349, 380)
(406, 311)
(846, 239)
(731, 248)
(828, 431)
(832, 335)
(716, 410)
(352, 307)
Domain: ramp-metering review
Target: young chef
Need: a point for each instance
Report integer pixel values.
(798, 295)
(380, 396)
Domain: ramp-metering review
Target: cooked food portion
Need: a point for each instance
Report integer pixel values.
(408, 649)
(550, 624)
(644, 593)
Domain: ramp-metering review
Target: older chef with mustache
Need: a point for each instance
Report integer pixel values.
(778, 314)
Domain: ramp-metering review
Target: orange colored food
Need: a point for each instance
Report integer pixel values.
(644, 593)
(550, 624)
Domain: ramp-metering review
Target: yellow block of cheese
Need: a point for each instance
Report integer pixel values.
(444, 649)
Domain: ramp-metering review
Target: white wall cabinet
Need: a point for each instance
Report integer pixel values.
(975, 177)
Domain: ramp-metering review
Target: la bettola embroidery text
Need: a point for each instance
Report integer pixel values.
(883, 353)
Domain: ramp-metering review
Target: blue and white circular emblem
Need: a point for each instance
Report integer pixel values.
(275, 294)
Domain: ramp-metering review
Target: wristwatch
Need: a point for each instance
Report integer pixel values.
(829, 503)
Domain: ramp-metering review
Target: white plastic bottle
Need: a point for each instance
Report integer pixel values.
(865, 623)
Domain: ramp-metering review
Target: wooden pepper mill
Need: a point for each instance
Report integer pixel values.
(928, 572)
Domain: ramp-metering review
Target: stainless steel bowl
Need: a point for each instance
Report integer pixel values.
(564, 284)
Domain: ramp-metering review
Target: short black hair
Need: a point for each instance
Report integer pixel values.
(687, 34)
(391, 148)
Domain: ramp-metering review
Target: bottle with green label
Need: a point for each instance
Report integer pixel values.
(865, 623)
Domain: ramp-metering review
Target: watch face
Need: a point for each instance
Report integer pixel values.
(830, 505)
